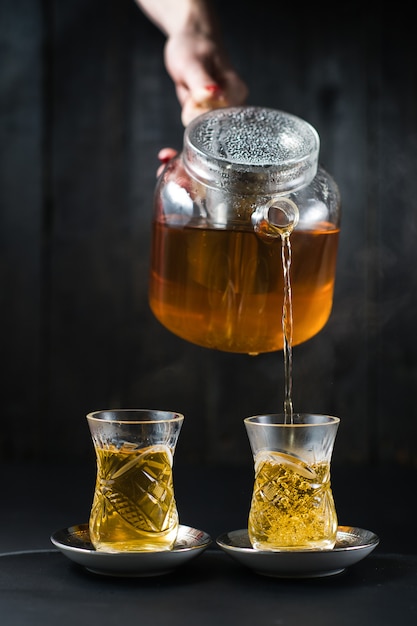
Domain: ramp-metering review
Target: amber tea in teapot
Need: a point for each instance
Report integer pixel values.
(216, 265)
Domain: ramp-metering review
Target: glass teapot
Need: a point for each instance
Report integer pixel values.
(246, 177)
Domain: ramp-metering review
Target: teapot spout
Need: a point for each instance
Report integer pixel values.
(277, 218)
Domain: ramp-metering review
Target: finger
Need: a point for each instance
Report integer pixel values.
(165, 155)
(235, 90)
(231, 92)
(201, 100)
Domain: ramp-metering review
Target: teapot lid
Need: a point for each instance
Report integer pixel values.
(251, 149)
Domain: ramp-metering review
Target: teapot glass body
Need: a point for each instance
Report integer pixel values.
(217, 276)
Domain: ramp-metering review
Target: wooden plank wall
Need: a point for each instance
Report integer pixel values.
(85, 105)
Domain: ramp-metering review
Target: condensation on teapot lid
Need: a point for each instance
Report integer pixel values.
(251, 150)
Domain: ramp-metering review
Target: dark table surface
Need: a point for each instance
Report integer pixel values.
(39, 585)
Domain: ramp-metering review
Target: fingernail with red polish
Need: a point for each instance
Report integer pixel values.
(213, 88)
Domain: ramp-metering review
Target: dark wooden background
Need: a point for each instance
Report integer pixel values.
(85, 105)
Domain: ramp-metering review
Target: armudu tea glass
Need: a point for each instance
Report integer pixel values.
(134, 507)
(292, 505)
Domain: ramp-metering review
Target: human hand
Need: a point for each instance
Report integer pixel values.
(203, 76)
(195, 56)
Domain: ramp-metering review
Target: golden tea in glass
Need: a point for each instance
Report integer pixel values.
(134, 507)
(292, 505)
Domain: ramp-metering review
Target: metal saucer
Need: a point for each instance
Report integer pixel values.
(74, 542)
(352, 545)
